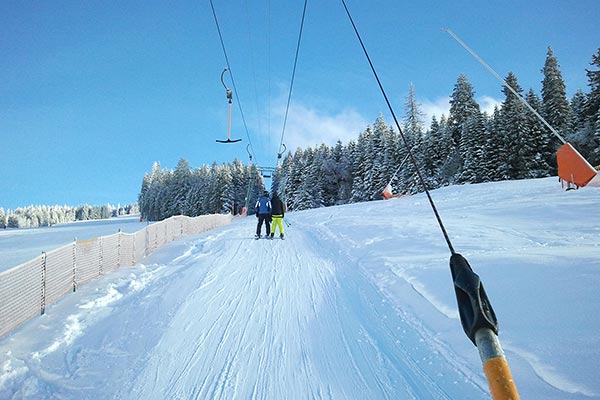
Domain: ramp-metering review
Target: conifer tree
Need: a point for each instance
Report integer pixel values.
(473, 143)
(462, 107)
(181, 187)
(593, 98)
(533, 143)
(360, 166)
(225, 189)
(593, 110)
(295, 179)
(343, 157)
(555, 106)
(431, 163)
(595, 142)
(578, 116)
(512, 123)
(496, 164)
(381, 159)
(413, 130)
(306, 191)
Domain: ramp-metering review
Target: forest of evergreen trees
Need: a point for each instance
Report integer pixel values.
(467, 146)
(36, 216)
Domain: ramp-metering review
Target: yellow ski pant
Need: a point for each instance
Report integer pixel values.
(277, 222)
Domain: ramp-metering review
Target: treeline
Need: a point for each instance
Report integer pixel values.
(205, 190)
(36, 216)
(467, 146)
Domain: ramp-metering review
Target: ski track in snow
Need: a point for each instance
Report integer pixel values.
(288, 323)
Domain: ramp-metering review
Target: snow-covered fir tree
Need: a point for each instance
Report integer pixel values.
(511, 126)
(413, 130)
(592, 110)
(533, 142)
(555, 108)
(593, 97)
(462, 107)
(473, 148)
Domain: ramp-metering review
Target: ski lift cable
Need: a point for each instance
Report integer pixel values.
(269, 69)
(231, 74)
(253, 66)
(404, 139)
(287, 108)
(476, 313)
(398, 169)
(503, 81)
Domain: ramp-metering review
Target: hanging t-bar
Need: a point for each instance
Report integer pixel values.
(282, 151)
(229, 95)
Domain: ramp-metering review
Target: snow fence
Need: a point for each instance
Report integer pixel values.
(27, 289)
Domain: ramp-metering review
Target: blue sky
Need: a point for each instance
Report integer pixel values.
(92, 93)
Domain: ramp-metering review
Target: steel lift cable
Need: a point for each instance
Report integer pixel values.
(287, 108)
(253, 65)
(231, 76)
(269, 68)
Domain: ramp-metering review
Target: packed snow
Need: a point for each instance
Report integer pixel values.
(356, 303)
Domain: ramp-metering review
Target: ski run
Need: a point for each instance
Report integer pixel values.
(356, 303)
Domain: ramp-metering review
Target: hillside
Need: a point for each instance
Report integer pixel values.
(356, 303)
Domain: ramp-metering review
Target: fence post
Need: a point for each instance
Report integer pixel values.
(43, 301)
(119, 249)
(147, 241)
(100, 261)
(74, 264)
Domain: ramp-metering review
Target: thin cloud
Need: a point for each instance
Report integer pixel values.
(307, 126)
(442, 106)
(435, 108)
(487, 104)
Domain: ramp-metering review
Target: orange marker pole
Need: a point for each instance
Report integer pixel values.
(495, 367)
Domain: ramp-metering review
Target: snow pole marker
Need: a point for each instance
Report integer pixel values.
(476, 313)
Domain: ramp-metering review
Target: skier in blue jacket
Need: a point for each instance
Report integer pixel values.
(263, 213)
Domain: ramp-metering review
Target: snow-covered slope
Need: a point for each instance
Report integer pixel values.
(356, 303)
(20, 245)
